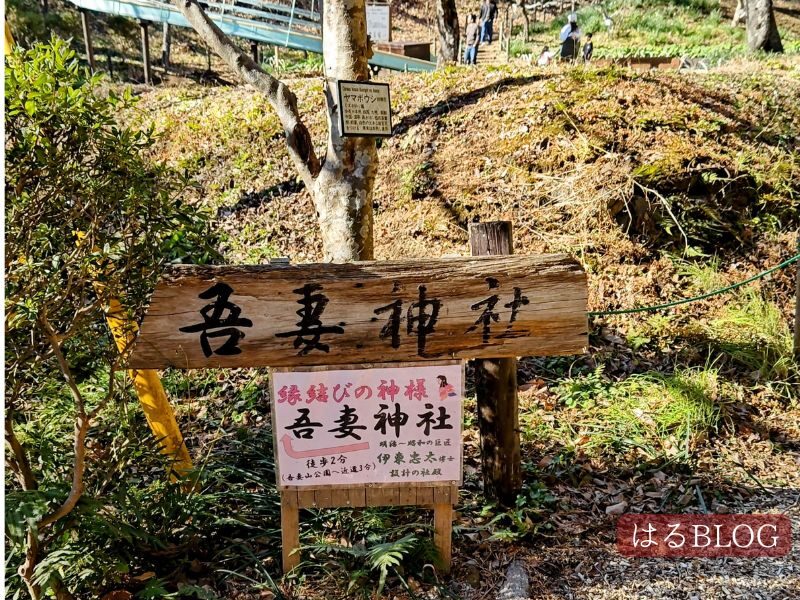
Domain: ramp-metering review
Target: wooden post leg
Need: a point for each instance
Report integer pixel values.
(166, 44)
(496, 390)
(443, 533)
(146, 52)
(87, 38)
(151, 395)
(290, 530)
(254, 51)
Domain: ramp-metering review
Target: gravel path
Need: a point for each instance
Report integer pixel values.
(602, 574)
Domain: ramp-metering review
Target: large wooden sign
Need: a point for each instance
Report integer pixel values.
(315, 314)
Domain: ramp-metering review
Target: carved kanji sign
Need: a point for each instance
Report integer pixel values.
(303, 315)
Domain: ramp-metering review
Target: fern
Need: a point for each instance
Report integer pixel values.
(380, 557)
(389, 555)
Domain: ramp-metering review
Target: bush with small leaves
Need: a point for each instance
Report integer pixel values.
(89, 219)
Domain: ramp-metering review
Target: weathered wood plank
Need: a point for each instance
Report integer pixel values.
(496, 390)
(441, 495)
(443, 533)
(306, 499)
(374, 496)
(358, 497)
(340, 497)
(391, 496)
(323, 497)
(271, 315)
(408, 495)
(425, 496)
(290, 530)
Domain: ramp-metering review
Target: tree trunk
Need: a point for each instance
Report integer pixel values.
(449, 35)
(762, 30)
(166, 45)
(342, 191)
(740, 14)
(341, 184)
(520, 6)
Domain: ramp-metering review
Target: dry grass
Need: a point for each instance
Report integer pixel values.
(606, 164)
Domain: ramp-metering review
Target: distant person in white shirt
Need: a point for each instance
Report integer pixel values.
(545, 57)
(568, 29)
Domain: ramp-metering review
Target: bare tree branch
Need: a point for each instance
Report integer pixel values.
(26, 568)
(280, 97)
(81, 429)
(20, 464)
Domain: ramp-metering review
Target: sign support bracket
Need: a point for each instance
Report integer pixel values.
(439, 498)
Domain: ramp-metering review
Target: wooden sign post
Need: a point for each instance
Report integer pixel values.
(399, 329)
(496, 390)
(368, 435)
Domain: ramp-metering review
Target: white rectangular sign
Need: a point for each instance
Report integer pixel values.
(379, 22)
(368, 425)
(365, 109)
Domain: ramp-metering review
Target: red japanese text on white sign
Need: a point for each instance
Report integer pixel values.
(371, 425)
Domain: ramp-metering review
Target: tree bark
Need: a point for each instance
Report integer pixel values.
(81, 429)
(449, 34)
(22, 469)
(740, 14)
(762, 30)
(520, 6)
(341, 184)
(342, 191)
(31, 558)
(166, 44)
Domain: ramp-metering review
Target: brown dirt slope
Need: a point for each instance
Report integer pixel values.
(606, 164)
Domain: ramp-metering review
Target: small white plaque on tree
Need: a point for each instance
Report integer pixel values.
(365, 109)
(379, 22)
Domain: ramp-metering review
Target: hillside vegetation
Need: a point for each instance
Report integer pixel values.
(680, 28)
(664, 185)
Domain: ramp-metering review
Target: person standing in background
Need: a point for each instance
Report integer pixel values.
(570, 46)
(568, 29)
(487, 15)
(472, 35)
(588, 48)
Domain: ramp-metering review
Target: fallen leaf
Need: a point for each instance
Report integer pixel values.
(616, 509)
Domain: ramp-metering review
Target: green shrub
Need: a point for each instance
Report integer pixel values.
(653, 416)
(88, 219)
